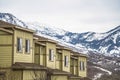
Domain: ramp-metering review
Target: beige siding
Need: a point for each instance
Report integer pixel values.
(39, 54)
(23, 56)
(59, 61)
(59, 77)
(34, 75)
(74, 79)
(49, 63)
(5, 39)
(5, 56)
(5, 49)
(82, 73)
(42, 54)
(12, 74)
(76, 67)
(16, 75)
(66, 53)
(72, 65)
(2, 32)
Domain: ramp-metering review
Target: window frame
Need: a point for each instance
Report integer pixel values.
(82, 66)
(27, 46)
(19, 47)
(51, 55)
(66, 60)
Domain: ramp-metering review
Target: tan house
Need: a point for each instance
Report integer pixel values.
(78, 64)
(16, 53)
(27, 56)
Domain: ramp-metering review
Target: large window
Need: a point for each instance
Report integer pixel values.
(82, 66)
(66, 60)
(19, 44)
(27, 47)
(51, 54)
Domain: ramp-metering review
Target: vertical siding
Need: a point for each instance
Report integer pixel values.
(23, 57)
(42, 52)
(39, 54)
(76, 67)
(59, 60)
(72, 65)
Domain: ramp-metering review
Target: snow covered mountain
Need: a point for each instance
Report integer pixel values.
(105, 43)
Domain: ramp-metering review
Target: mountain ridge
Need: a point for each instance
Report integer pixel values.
(107, 43)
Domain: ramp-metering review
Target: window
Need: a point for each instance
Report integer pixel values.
(19, 44)
(27, 47)
(66, 60)
(82, 66)
(51, 55)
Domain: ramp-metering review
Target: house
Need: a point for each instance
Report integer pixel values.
(27, 56)
(16, 53)
(78, 64)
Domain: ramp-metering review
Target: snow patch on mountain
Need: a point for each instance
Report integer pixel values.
(7, 17)
(105, 43)
(105, 70)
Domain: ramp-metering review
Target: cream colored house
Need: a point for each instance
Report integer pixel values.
(27, 56)
(16, 54)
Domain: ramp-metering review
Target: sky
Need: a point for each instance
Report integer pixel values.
(71, 15)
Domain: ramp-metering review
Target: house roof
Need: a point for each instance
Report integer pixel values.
(39, 43)
(74, 76)
(5, 30)
(33, 66)
(4, 24)
(62, 47)
(43, 39)
(57, 72)
(77, 54)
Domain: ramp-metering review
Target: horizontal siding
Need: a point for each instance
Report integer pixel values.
(49, 63)
(23, 56)
(5, 56)
(5, 39)
(66, 53)
(59, 78)
(82, 73)
(2, 32)
(19, 57)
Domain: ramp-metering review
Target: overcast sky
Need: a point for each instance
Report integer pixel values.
(71, 15)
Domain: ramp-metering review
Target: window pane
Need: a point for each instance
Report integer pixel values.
(19, 44)
(51, 54)
(27, 49)
(82, 66)
(66, 61)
